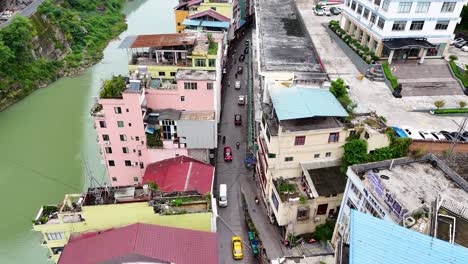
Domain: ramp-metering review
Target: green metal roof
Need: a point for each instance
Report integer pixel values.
(295, 103)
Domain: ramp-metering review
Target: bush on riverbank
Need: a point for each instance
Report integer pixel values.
(87, 27)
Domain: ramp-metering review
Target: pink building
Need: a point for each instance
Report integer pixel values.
(149, 120)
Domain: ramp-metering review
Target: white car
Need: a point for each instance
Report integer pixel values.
(427, 136)
(237, 85)
(326, 11)
(465, 48)
(318, 12)
(453, 42)
(438, 136)
(412, 133)
(241, 100)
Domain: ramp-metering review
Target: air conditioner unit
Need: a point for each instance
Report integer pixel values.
(317, 219)
(107, 142)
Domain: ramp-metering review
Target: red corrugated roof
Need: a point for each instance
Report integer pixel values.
(180, 174)
(211, 13)
(175, 245)
(163, 40)
(194, 2)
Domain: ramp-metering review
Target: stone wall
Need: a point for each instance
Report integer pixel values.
(437, 146)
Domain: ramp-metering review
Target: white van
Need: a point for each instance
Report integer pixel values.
(222, 197)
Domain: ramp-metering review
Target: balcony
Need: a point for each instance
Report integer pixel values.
(143, 58)
(97, 111)
(292, 190)
(68, 212)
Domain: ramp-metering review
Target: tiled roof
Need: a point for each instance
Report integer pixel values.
(142, 241)
(373, 240)
(210, 13)
(180, 174)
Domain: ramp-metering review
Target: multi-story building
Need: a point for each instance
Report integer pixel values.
(111, 207)
(300, 148)
(402, 29)
(206, 21)
(423, 194)
(187, 8)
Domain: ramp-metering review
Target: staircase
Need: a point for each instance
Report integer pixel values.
(377, 75)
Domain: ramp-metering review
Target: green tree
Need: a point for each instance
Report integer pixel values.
(440, 103)
(338, 88)
(324, 232)
(17, 36)
(355, 152)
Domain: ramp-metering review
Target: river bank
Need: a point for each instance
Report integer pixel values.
(58, 41)
(46, 138)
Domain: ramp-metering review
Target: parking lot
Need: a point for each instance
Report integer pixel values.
(375, 96)
(462, 55)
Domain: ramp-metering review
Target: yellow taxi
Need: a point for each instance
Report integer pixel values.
(237, 247)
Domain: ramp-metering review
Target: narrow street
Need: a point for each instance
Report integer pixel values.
(232, 221)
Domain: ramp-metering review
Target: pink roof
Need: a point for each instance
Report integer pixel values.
(166, 244)
(194, 2)
(211, 13)
(180, 174)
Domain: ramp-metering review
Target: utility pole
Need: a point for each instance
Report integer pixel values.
(461, 129)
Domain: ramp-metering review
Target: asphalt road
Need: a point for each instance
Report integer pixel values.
(230, 173)
(28, 11)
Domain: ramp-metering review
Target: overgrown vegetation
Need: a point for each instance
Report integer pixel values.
(324, 232)
(338, 89)
(363, 51)
(113, 88)
(212, 45)
(87, 26)
(153, 185)
(154, 140)
(355, 150)
(462, 76)
(388, 73)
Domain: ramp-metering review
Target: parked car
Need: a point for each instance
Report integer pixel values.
(241, 58)
(459, 137)
(335, 10)
(241, 100)
(453, 42)
(318, 12)
(227, 154)
(438, 136)
(465, 48)
(399, 132)
(240, 70)
(427, 136)
(412, 133)
(447, 135)
(326, 11)
(237, 120)
(461, 43)
(246, 50)
(237, 85)
(237, 247)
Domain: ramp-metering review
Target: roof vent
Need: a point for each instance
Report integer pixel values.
(385, 177)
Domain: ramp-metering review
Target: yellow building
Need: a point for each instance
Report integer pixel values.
(183, 10)
(163, 54)
(105, 208)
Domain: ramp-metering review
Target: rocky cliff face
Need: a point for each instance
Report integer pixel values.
(49, 42)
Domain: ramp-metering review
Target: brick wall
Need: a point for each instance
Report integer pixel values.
(438, 147)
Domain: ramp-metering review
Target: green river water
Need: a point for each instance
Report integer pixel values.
(45, 138)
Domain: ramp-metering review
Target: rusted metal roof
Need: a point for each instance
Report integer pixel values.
(163, 40)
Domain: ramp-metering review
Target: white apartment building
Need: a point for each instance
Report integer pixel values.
(402, 29)
(424, 195)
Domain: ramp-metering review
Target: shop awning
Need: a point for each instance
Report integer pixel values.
(406, 43)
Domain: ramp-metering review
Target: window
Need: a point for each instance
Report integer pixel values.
(333, 137)
(105, 137)
(128, 163)
(212, 63)
(190, 86)
(117, 110)
(373, 17)
(350, 204)
(102, 124)
(376, 2)
(328, 154)
(399, 26)
(442, 25)
(55, 236)
(213, 8)
(114, 179)
(385, 5)
(56, 250)
(142, 165)
(162, 73)
(135, 179)
(366, 13)
(178, 24)
(299, 140)
(274, 199)
(448, 7)
(120, 123)
(288, 159)
(139, 153)
(182, 98)
(271, 155)
(267, 132)
(125, 150)
(200, 62)
(108, 150)
(423, 7)
(347, 2)
(126, 110)
(111, 163)
(356, 191)
(353, 5)
(303, 213)
(371, 209)
(381, 23)
(322, 209)
(123, 138)
(359, 9)
(404, 7)
(316, 156)
(209, 86)
(173, 74)
(417, 25)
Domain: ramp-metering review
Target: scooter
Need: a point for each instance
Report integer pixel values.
(237, 145)
(224, 139)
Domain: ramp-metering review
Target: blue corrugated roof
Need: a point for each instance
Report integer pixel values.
(373, 240)
(191, 22)
(215, 24)
(294, 103)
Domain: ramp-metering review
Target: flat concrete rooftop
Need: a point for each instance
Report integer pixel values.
(284, 42)
(196, 75)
